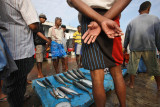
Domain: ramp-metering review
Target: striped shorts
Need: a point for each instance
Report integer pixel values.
(104, 52)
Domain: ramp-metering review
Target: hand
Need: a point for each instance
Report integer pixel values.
(48, 42)
(111, 28)
(124, 50)
(92, 33)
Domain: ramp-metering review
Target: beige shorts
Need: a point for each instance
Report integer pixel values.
(150, 60)
(40, 53)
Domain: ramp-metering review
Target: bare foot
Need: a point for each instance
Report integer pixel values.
(29, 81)
(40, 75)
(130, 85)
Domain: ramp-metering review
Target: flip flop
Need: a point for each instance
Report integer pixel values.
(29, 81)
(3, 99)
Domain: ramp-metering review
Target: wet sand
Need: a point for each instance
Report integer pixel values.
(143, 95)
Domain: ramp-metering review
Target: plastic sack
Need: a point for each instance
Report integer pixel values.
(3, 60)
(57, 50)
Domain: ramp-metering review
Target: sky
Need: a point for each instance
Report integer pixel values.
(60, 8)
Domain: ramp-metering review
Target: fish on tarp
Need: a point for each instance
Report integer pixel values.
(76, 73)
(62, 94)
(66, 91)
(40, 83)
(70, 90)
(80, 86)
(86, 81)
(69, 76)
(85, 84)
(55, 94)
(49, 82)
(65, 79)
(72, 74)
(63, 104)
(57, 78)
(81, 73)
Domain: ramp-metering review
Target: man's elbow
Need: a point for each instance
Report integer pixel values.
(34, 27)
(70, 2)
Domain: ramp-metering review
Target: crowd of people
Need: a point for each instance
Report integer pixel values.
(97, 45)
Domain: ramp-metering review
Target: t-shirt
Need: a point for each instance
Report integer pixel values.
(38, 40)
(77, 37)
(56, 35)
(143, 33)
(101, 4)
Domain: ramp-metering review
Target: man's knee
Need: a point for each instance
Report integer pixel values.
(97, 75)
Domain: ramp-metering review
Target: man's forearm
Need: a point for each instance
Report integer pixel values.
(86, 10)
(42, 36)
(117, 8)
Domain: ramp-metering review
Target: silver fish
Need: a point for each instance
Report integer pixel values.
(70, 90)
(86, 81)
(65, 91)
(69, 76)
(76, 73)
(81, 73)
(62, 94)
(57, 78)
(85, 84)
(65, 79)
(40, 83)
(56, 95)
(80, 86)
(49, 82)
(72, 74)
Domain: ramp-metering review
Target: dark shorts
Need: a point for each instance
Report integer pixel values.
(104, 52)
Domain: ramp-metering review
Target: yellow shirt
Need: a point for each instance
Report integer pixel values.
(77, 37)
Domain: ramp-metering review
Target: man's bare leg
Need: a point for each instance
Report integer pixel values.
(131, 82)
(81, 61)
(66, 63)
(63, 64)
(55, 64)
(1, 93)
(77, 60)
(98, 87)
(39, 67)
(157, 78)
(119, 83)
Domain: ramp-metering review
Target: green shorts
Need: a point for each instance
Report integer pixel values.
(150, 60)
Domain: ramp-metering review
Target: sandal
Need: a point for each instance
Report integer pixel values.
(3, 99)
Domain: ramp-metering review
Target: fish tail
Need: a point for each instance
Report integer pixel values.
(72, 96)
(67, 85)
(79, 95)
(90, 95)
(69, 99)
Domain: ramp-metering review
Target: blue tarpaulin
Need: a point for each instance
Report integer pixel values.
(83, 100)
(141, 66)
